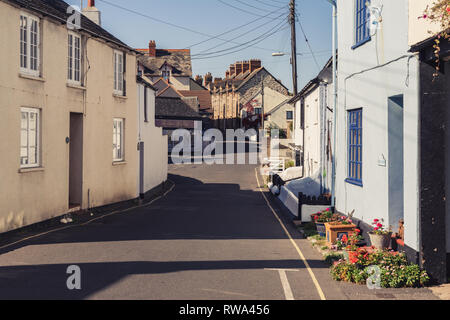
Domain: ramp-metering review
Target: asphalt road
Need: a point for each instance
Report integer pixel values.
(212, 237)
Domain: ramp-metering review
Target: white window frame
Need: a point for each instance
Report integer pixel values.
(166, 72)
(26, 60)
(37, 146)
(118, 137)
(118, 61)
(72, 72)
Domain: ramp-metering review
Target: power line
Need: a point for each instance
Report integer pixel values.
(271, 5)
(233, 29)
(307, 42)
(237, 37)
(239, 9)
(265, 37)
(252, 6)
(169, 23)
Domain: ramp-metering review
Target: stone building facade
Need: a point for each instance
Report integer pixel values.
(248, 89)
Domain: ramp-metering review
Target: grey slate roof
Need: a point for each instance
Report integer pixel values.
(57, 9)
(180, 60)
(174, 108)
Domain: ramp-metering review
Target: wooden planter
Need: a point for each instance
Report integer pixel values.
(337, 231)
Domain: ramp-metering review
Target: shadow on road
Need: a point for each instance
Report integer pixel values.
(49, 281)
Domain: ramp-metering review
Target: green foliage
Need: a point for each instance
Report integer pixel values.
(309, 229)
(396, 272)
(333, 257)
(289, 164)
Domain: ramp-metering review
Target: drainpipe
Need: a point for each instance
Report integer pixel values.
(333, 170)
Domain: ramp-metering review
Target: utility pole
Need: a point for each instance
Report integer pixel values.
(293, 46)
(262, 102)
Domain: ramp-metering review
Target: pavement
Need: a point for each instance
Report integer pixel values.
(213, 236)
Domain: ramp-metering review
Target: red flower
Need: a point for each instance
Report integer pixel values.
(316, 217)
(376, 228)
(375, 220)
(344, 238)
(379, 225)
(357, 230)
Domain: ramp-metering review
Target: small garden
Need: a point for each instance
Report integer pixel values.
(342, 245)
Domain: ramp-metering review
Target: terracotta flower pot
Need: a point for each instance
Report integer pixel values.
(380, 241)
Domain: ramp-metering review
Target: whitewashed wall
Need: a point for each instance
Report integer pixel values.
(370, 91)
(155, 143)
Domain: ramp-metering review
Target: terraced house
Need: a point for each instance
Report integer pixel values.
(69, 116)
(248, 89)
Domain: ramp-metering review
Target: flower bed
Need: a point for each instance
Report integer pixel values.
(355, 264)
(396, 271)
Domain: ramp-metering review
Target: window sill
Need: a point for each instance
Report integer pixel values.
(354, 182)
(119, 163)
(117, 95)
(75, 86)
(31, 77)
(361, 43)
(32, 169)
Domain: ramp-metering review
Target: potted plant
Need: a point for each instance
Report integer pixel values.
(352, 244)
(321, 218)
(335, 230)
(380, 237)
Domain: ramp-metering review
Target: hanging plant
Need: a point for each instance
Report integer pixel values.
(438, 13)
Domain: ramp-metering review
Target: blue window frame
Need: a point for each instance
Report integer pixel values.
(355, 147)
(362, 20)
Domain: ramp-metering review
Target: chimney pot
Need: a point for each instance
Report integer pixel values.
(152, 48)
(92, 12)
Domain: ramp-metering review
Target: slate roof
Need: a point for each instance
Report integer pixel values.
(240, 80)
(179, 59)
(174, 108)
(204, 98)
(57, 9)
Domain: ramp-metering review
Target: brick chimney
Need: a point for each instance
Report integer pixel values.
(227, 74)
(245, 66)
(232, 70)
(199, 79)
(208, 79)
(92, 13)
(152, 48)
(255, 64)
(238, 67)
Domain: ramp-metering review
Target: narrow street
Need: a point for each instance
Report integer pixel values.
(213, 236)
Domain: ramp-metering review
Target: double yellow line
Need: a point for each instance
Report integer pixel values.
(300, 253)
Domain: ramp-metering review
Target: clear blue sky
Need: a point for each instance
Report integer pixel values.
(213, 17)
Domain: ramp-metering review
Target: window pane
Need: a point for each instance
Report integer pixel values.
(77, 58)
(23, 41)
(34, 45)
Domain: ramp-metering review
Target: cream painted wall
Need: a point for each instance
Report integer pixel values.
(155, 143)
(370, 91)
(35, 195)
(419, 29)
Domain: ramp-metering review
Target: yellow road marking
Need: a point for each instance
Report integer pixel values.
(94, 219)
(300, 253)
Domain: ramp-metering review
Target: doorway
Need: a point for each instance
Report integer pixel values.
(395, 163)
(75, 160)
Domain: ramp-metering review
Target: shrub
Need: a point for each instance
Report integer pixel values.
(331, 258)
(396, 272)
